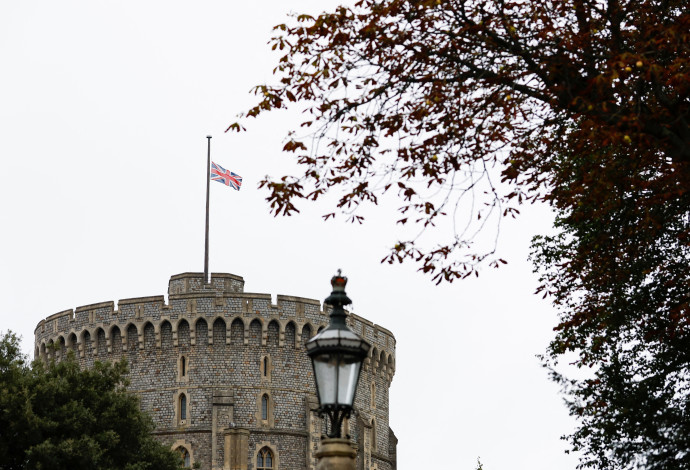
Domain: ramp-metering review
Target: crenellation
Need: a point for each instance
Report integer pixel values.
(64, 313)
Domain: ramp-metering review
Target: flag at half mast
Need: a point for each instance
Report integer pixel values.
(228, 178)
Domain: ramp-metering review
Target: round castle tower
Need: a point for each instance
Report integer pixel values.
(224, 374)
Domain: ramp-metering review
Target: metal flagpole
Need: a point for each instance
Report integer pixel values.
(208, 183)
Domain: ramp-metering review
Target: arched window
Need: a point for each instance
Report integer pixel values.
(184, 453)
(183, 406)
(265, 368)
(264, 407)
(264, 459)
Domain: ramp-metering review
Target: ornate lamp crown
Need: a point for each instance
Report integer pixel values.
(338, 282)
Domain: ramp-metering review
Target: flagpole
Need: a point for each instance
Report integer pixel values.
(208, 184)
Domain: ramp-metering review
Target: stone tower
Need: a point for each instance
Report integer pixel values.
(225, 375)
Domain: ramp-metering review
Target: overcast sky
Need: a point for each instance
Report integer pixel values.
(104, 109)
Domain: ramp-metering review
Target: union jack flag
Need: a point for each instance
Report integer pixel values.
(228, 178)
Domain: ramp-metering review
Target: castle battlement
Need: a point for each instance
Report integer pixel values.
(219, 312)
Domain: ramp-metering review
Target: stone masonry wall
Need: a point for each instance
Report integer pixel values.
(220, 351)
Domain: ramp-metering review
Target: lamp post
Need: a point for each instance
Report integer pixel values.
(337, 354)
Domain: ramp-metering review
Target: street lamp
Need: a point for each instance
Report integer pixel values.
(337, 354)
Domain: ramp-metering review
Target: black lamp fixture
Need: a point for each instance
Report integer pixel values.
(336, 355)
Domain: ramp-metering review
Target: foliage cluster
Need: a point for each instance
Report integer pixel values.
(399, 93)
(619, 271)
(59, 416)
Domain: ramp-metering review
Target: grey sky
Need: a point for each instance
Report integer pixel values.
(104, 109)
